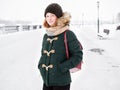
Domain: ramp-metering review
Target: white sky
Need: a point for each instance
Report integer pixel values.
(33, 10)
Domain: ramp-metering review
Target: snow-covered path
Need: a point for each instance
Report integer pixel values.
(19, 55)
(100, 71)
(20, 52)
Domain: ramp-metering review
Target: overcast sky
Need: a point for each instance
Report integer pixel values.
(33, 10)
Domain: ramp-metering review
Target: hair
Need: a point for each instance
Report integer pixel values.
(45, 24)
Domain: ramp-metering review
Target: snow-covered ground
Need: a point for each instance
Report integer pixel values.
(20, 53)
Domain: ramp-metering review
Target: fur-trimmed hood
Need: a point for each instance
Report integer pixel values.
(62, 21)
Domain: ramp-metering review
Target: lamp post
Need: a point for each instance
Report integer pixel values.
(82, 19)
(98, 22)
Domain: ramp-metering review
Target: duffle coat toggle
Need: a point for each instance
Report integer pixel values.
(51, 40)
(48, 53)
(46, 67)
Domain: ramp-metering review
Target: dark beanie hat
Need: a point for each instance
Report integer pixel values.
(55, 9)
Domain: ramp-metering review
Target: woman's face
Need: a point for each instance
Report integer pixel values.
(51, 19)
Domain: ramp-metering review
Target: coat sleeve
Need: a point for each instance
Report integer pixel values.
(43, 41)
(75, 53)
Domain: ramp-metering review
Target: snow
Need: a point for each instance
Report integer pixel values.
(20, 53)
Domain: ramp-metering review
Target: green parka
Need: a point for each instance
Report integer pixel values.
(53, 64)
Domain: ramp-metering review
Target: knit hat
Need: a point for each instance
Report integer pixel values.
(55, 9)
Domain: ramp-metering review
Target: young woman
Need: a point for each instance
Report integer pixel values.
(53, 64)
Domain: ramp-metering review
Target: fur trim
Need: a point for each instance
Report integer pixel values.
(62, 21)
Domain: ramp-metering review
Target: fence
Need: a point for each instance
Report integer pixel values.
(16, 28)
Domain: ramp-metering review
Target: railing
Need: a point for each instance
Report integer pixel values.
(16, 28)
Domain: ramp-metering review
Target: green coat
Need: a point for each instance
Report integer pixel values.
(53, 65)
